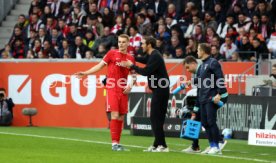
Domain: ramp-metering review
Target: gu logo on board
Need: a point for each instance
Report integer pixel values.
(20, 89)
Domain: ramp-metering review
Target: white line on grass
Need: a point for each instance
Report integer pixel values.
(132, 146)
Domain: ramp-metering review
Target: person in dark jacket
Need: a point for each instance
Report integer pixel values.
(6, 109)
(158, 81)
(211, 90)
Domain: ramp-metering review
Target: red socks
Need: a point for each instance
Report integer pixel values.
(116, 127)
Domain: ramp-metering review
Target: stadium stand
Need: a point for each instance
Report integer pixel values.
(70, 28)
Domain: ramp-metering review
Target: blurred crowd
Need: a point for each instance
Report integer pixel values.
(237, 30)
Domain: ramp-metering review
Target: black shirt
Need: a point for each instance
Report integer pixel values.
(155, 70)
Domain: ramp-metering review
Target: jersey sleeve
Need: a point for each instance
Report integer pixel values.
(107, 58)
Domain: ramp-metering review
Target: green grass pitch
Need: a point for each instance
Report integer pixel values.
(74, 145)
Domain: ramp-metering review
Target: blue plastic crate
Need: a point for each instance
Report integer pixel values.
(190, 129)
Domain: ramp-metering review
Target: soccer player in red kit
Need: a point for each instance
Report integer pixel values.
(117, 88)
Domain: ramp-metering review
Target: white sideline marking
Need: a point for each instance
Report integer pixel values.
(132, 146)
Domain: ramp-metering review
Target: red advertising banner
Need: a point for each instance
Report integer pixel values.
(63, 100)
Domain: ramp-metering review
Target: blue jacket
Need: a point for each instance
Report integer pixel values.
(210, 80)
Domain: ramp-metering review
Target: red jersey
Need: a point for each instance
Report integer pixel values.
(116, 74)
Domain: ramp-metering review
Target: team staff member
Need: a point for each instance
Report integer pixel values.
(211, 91)
(117, 88)
(158, 81)
(192, 66)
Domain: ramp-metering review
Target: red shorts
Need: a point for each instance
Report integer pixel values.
(117, 102)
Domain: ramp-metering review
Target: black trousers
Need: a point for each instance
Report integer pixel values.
(209, 121)
(159, 104)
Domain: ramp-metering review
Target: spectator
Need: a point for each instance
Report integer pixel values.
(46, 14)
(262, 8)
(35, 23)
(78, 17)
(210, 34)
(97, 27)
(242, 33)
(66, 14)
(71, 36)
(232, 32)
(93, 10)
(244, 49)
(18, 49)
(63, 27)
(23, 23)
(134, 40)
(243, 22)
(174, 44)
(204, 5)
(163, 34)
(17, 33)
(118, 26)
(216, 41)
(108, 17)
(89, 54)
(89, 39)
(37, 47)
(215, 54)
(43, 36)
(6, 108)
(199, 36)
(209, 21)
(5, 55)
(256, 24)
(171, 11)
(80, 49)
(167, 55)
(222, 28)
(253, 34)
(56, 8)
(49, 51)
(191, 48)
(160, 45)
(179, 53)
(35, 3)
(30, 41)
(235, 57)
(144, 25)
(30, 54)
(108, 39)
(260, 48)
(6, 52)
(170, 22)
(250, 8)
(129, 22)
(272, 42)
(219, 13)
(191, 28)
(101, 51)
(159, 7)
(228, 48)
(176, 31)
(265, 26)
(127, 11)
(66, 49)
(56, 38)
(51, 24)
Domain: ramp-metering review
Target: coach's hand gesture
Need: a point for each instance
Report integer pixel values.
(126, 64)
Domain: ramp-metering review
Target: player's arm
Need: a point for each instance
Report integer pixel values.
(153, 65)
(143, 59)
(92, 70)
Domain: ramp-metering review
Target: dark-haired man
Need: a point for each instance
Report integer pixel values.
(158, 81)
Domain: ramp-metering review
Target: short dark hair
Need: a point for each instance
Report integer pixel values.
(142, 16)
(151, 41)
(3, 89)
(189, 59)
(274, 65)
(205, 47)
